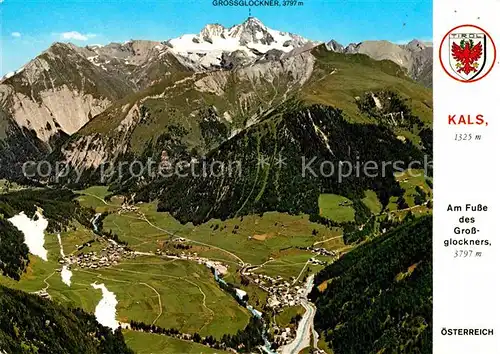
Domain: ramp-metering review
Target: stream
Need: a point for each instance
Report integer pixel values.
(267, 345)
(94, 221)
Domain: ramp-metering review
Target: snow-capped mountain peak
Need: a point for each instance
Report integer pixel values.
(248, 39)
(252, 30)
(212, 30)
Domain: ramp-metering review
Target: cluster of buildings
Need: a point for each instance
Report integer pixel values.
(322, 252)
(283, 336)
(285, 295)
(42, 293)
(315, 261)
(282, 293)
(108, 256)
(126, 208)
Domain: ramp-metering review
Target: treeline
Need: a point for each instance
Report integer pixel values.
(99, 229)
(13, 251)
(59, 208)
(30, 324)
(390, 109)
(359, 233)
(175, 144)
(427, 139)
(379, 298)
(113, 236)
(243, 341)
(289, 135)
(353, 231)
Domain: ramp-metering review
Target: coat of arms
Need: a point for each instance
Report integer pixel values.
(469, 51)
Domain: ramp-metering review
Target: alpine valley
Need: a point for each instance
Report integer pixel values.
(276, 248)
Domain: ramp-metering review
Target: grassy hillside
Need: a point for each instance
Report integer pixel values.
(335, 207)
(148, 343)
(273, 176)
(340, 78)
(172, 294)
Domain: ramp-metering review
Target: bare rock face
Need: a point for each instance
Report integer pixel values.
(299, 69)
(112, 99)
(58, 109)
(384, 50)
(212, 30)
(54, 95)
(334, 46)
(90, 151)
(251, 31)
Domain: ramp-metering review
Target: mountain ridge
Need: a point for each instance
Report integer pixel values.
(415, 56)
(64, 88)
(250, 33)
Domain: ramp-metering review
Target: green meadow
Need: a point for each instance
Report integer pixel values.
(149, 343)
(336, 207)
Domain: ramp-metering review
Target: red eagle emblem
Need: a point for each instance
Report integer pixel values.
(467, 55)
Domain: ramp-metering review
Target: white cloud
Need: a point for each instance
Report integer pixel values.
(15, 34)
(406, 41)
(77, 36)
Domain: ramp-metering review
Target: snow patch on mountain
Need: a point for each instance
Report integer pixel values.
(105, 311)
(66, 274)
(34, 232)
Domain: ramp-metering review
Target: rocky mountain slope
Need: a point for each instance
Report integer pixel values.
(140, 62)
(303, 123)
(415, 56)
(125, 98)
(54, 95)
(187, 113)
(306, 126)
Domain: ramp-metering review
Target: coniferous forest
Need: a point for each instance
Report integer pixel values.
(30, 324)
(59, 207)
(379, 296)
(262, 155)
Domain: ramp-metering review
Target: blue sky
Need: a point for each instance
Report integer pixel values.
(30, 26)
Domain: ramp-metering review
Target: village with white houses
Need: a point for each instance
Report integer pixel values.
(110, 255)
(282, 292)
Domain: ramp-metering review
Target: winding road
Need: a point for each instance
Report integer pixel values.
(144, 218)
(160, 307)
(331, 238)
(306, 325)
